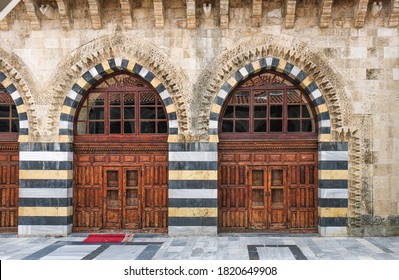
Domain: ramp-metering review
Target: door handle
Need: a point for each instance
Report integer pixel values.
(267, 193)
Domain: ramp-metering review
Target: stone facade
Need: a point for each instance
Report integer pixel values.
(343, 49)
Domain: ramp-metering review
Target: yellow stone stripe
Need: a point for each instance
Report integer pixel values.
(324, 138)
(256, 66)
(130, 66)
(23, 138)
(21, 108)
(333, 212)
(333, 174)
(107, 67)
(65, 139)
(322, 108)
(193, 212)
(213, 138)
(173, 138)
(306, 82)
(193, 175)
(45, 211)
(155, 82)
(68, 110)
(46, 174)
(6, 82)
(232, 81)
(83, 83)
(281, 66)
(170, 108)
(216, 108)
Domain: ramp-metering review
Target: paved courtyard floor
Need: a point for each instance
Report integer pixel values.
(222, 247)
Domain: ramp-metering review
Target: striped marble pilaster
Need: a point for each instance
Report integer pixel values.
(45, 189)
(192, 189)
(93, 75)
(333, 188)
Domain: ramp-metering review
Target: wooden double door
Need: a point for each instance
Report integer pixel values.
(9, 183)
(124, 190)
(267, 187)
(267, 194)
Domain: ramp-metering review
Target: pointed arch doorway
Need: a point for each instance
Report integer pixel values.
(268, 157)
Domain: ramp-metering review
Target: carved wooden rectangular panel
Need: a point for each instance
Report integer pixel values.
(277, 194)
(129, 193)
(9, 183)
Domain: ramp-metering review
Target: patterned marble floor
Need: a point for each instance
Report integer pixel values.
(224, 247)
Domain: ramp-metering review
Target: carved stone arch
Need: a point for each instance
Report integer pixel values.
(113, 49)
(311, 70)
(17, 80)
(288, 51)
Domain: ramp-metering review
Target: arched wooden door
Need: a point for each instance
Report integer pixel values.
(268, 158)
(121, 157)
(9, 163)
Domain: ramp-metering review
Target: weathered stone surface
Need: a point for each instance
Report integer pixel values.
(393, 20)
(325, 13)
(351, 56)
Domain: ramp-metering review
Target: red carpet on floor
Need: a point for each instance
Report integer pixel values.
(108, 238)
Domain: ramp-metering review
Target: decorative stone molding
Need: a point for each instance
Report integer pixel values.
(361, 160)
(95, 12)
(290, 9)
(256, 12)
(224, 13)
(117, 45)
(31, 11)
(191, 14)
(159, 14)
(65, 14)
(4, 24)
(126, 7)
(18, 75)
(393, 20)
(313, 62)
(360, 13)
(325, 13)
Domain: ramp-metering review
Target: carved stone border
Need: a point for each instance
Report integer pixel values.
(344, 124)
(117, 45)
(19, 77)
(313, 62)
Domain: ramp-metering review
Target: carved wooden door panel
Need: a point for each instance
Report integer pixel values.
(267, 186)
(155, 197)
(87, 194)
(113, 192)
(302, 181)
(120, 190)
(9, 182)
(259, 204)
(277, 196)
(233, 197)
(131, 194)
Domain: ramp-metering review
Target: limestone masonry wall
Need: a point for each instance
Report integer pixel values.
(356, 67)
